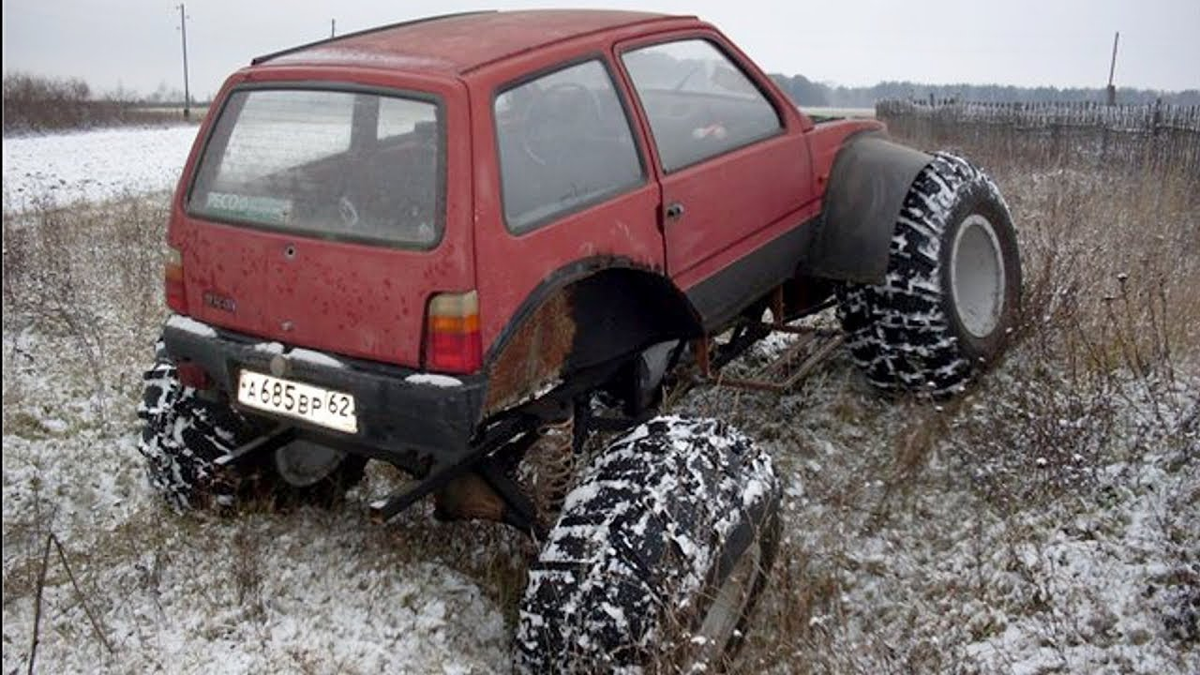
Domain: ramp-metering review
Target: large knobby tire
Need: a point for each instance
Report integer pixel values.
(658, 556)
(951, 298)
(184, 434)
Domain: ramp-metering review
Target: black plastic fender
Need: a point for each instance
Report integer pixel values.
(870, 178)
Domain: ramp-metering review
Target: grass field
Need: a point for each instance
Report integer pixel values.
(1047, 521)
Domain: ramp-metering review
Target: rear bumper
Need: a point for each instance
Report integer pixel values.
(401, 418)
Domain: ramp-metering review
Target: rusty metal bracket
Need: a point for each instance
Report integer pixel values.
(814, 346)
(269, 442)
(776, 377)
(383, 510)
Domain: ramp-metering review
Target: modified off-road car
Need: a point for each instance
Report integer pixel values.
(443, 244)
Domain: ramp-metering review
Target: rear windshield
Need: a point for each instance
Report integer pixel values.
(332, 164)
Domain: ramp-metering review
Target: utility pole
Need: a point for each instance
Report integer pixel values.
(1112, 69)
(333, 28)
(187, 95)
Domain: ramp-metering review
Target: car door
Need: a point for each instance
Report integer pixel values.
(568, 190)
(732, 161)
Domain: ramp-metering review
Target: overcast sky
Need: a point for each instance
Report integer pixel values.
(135, 43)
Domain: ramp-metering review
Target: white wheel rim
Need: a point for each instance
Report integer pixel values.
(977, 276)
(301, 463)
(721, 618)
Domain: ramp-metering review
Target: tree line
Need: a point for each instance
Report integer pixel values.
(805, 92)
(34, 103)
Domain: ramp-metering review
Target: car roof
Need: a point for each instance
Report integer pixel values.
(457, 43)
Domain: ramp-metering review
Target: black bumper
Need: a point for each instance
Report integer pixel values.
(404, 422)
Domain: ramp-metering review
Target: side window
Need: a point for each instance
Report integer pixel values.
(565, 143)
(698, 102)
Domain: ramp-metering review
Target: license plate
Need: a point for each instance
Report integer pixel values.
(324, 407)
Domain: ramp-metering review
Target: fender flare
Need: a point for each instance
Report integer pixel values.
(870, 177)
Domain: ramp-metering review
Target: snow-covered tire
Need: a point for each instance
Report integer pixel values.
(658, 556)
(184, 434)
(952, 294)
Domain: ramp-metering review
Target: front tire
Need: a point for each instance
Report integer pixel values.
(658, 557)
(951, 298)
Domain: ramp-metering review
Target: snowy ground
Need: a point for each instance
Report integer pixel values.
(93, 165)
(1046, 522)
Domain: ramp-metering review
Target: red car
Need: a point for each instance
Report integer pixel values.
(439, 243)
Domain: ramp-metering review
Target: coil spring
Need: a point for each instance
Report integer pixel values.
(548, 467)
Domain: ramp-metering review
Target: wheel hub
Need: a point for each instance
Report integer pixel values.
(716, 631)
(977, 276)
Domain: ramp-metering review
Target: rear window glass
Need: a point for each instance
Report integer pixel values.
(334, 164)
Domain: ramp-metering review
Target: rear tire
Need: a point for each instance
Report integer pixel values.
(951, 298)
(658, 557)
(184, 434)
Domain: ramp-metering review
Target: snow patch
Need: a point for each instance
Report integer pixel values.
(269, 347)
(433, 380)
(190, 325)
(316, 358)
(58, 169)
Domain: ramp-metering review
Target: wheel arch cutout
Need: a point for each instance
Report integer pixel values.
(583, 315)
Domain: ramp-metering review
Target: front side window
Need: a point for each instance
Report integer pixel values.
(565, 143)
(333, 164)
(699, 103)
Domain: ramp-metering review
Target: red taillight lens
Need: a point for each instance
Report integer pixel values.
(192, 375)
(173, 282)
(452, 343)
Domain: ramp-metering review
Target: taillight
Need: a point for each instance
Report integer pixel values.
(452, 343)
(193, 375)
(173, 281)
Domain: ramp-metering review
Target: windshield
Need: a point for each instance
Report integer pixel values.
(334, 164)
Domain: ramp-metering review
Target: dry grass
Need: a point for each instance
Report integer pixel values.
(88, 277)
(920, 531)
(914, 533)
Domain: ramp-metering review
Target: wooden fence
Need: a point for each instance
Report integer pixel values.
(1124, 135)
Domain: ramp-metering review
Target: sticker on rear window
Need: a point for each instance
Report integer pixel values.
(271, 210)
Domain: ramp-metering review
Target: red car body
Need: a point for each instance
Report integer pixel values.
(371, 302)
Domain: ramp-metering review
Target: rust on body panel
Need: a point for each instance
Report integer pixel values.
(535, 354)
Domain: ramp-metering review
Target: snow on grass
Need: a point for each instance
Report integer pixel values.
(918, 537)
(311, 592)
(1104, 574)
(300, 591)
(93, 165)
(896, 562)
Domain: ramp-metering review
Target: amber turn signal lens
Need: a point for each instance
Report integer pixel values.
(453, 343)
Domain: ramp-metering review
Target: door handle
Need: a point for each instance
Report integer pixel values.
(675, 211)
